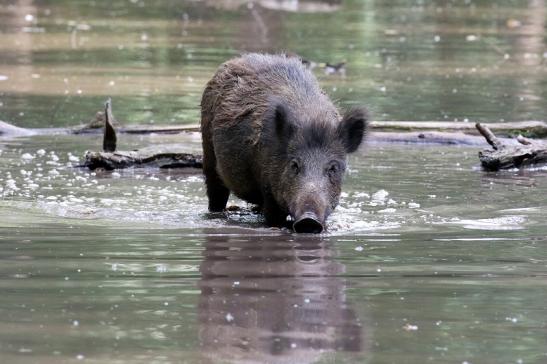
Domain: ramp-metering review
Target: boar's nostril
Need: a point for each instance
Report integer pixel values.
(308, 223)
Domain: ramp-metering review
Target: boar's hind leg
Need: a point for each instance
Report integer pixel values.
(216, 190)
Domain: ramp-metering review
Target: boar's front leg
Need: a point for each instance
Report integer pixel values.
(273, 214)
(217, 193)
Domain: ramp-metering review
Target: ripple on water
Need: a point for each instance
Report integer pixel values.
(48, 182)
(139, 196)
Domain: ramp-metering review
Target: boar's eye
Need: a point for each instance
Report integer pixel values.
(295, 166)
(334, 168)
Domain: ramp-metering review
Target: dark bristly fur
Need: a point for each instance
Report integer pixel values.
(273, 138)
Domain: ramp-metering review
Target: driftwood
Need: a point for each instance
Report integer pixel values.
(505, 155)
(165, 156)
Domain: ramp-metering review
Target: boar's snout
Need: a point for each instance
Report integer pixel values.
(309, 211)
(308, 223)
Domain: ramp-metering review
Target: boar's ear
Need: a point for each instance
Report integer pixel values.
(352, 128)
(283, 126)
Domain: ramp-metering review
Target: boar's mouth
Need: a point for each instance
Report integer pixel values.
(308, 223)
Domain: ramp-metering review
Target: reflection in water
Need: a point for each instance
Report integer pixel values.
(262, 21)
(303, 6)
(269, 300)
(325, 6)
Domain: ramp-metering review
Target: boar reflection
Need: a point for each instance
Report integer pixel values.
(265, 300)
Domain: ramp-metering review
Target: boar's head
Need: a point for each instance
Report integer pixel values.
(308, 161)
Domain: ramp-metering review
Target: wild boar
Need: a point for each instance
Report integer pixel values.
(273, 138)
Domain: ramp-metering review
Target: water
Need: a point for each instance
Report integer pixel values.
(407, 60)
(427, 258)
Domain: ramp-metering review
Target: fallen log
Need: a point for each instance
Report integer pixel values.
(400, 129)
(146, 157)
(532, 129)
(140, 129)
(164, 156)
(430, 138)
(506, 155)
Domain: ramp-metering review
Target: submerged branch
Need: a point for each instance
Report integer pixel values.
(489, 136)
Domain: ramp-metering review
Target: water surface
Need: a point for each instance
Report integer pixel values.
(427, 258)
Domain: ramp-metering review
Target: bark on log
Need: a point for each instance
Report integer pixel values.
(505, 155)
